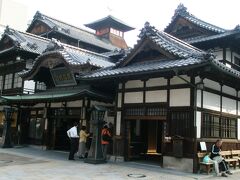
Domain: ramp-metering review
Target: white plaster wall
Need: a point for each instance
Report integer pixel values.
(29, 86)
(199, 98)
(134, 84)
(238, 129)
(198, 123)
(120, 86)
(99, 103)
(229, 90)
(156, 82)
(177, 80)
(119, 100)
(229, 105)
(156, 96)
(133, 97)
(39, 105)
(212, 84)
(238, 107)
(228, 54)
(77, 103)
(211, 101)
(218, 53)
(180, 97)
(118, 123)
(57, 105)
(197, 79)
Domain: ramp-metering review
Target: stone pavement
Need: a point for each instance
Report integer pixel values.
(32, 164)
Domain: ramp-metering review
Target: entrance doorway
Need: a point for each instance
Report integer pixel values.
(145, 140)
(60, 121)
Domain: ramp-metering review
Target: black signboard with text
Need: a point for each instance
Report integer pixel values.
(62, 77)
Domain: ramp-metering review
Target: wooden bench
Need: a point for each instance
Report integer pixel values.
(227, 155)
(207, 167)
(236, 155)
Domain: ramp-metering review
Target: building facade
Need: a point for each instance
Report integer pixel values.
(174, 89)
(28, 62)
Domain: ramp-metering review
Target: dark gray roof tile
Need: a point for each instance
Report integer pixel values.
(26, 41)
(182, 11)
(74, 32)
(213, 37)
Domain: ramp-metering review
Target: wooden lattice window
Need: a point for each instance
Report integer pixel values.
(135, 111)
(146, 111)
(156, 111)
(229, 127)
(218, 127)
(181, 123)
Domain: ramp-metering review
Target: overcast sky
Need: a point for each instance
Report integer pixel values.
(223, 13)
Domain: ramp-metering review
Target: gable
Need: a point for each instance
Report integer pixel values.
(182, 29)
(38, 27)
(147, 51)
(6, 43)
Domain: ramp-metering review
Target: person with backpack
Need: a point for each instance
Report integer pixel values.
(106, 138)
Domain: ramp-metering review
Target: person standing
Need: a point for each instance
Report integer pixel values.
(73, 135)
(216, 156)
(82, 142)
(106, 138)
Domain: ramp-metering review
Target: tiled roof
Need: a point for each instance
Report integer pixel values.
(58, 94)
(228, 33)
(170, 44)
(156, 66)
(182, 11)
(107, 20)
(26, 41)
(143, 68)
(74, 32)
(186, 56)
(72, 55)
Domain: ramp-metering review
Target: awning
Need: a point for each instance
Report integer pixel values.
(58, 95)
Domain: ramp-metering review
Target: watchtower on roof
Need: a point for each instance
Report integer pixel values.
(112, 29)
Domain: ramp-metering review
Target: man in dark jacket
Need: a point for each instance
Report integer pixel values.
(216, 156)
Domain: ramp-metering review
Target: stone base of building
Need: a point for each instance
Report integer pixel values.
(181, 164)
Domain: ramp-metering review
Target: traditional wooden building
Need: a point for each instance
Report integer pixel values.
(173, 90)
(224, 44)
(44, 117)
(170, 96)
(19, 51)
(109, 33)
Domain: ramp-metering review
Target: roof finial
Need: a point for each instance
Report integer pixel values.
(38, 15)
(147, 24)
(237, 27)
(8, 30)
(181, 9)
(148, 29)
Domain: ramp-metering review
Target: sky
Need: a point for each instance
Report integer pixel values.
(223, 13)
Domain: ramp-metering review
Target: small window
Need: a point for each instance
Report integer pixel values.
(1, 82)
(17, 81)
(41, 86)
(8, 81)
(237, 60)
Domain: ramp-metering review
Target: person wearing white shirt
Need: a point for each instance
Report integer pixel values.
(73, 135)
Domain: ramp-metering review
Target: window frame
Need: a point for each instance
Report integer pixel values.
(226, 127)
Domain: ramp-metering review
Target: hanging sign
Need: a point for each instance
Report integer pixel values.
(62, 77)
